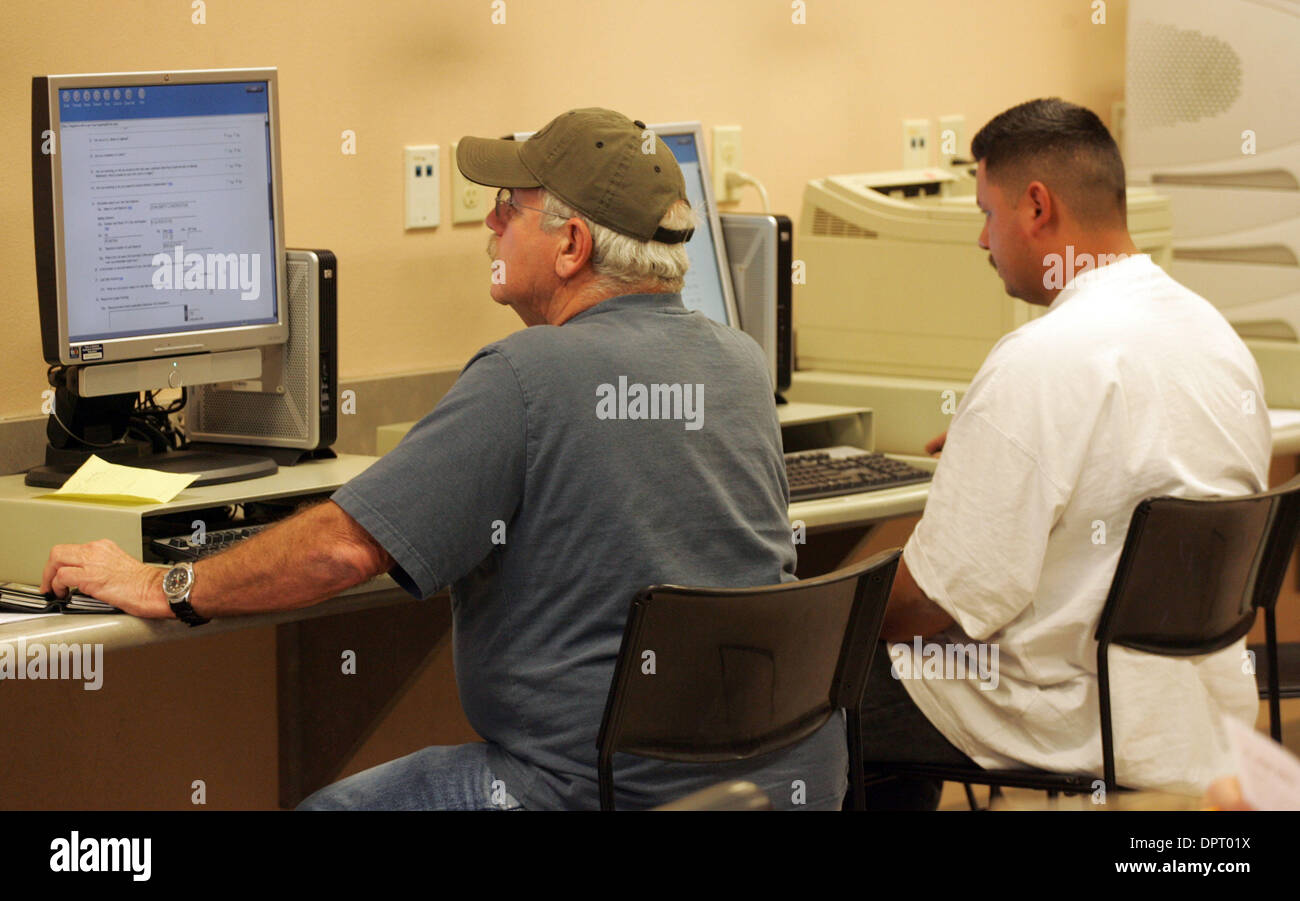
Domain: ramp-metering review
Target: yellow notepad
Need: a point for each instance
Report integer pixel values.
(100, 482)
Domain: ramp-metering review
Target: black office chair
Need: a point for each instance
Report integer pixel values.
(746, 671)
(1191, 576)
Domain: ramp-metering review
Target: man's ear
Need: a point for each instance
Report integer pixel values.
(575, 249)
(1041, 207)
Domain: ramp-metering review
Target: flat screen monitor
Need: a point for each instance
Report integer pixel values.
(708, 282)
(158, 214)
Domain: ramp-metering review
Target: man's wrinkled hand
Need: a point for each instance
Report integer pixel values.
(104, 571)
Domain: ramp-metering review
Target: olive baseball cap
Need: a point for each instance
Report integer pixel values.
(596, 161)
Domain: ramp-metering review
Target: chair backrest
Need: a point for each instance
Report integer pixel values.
(717, 674)
(1192, 573)
(1281, 543)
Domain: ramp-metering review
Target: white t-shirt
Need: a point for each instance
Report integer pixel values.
(1131, 386)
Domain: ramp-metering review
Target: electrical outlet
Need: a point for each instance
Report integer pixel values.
(469, 201)
(726, 158)
(916, 143)
(422, 177)
(952, 139)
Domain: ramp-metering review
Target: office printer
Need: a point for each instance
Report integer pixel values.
(895, 282)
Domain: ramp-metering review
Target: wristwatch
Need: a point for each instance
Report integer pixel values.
(177, 585)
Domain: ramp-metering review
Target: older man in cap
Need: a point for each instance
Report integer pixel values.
(546, 488)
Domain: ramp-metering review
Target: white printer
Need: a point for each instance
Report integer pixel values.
(895, 283)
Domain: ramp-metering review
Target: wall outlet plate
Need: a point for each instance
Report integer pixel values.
(470, 202)
(916, 143)
(422, 179)
(726, 158)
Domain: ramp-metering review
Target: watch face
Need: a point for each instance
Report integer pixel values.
(176, 581)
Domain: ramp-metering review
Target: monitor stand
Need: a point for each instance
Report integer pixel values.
(82, 427)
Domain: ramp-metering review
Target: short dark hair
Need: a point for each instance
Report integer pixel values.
(1063, 145)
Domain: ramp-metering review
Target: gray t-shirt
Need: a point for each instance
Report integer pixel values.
(550, 485)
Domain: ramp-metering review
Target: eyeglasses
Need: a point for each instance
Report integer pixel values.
(504, 201)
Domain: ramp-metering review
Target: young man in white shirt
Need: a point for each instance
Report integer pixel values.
(1130, 386)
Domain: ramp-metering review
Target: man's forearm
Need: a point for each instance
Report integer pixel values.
(910, 612)
(311, 556)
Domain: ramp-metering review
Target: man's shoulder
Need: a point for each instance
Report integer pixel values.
(1144, 328)
(1105, 317)
(552, 355)
(614, 332)
(1053, 357)
(1031, 349)
(535, 345)
(541, 341)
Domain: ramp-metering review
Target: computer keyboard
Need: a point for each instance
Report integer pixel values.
(833, 471)
(179, 548)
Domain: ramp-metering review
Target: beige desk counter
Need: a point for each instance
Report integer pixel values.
(118, 631)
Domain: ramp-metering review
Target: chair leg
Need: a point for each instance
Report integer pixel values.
(1274, 702)
(605, 775)
(970, 796)
(857, 795)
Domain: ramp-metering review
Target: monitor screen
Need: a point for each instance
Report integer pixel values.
(705, 289)
(165, 212)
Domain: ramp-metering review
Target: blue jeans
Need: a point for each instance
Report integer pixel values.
(454, 777)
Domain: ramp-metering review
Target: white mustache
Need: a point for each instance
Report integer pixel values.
(492, 247)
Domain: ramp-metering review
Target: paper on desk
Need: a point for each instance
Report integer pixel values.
(98, 481)
(1269, 774)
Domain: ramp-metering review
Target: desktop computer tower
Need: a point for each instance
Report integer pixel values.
(760, 251)
(291, 413)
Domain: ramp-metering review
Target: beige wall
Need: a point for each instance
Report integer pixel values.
(815, 99)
